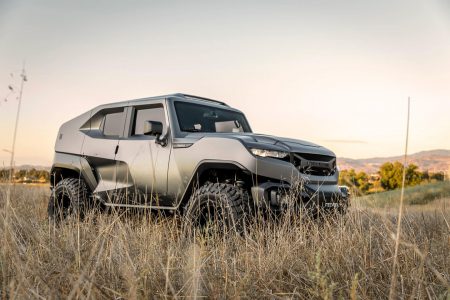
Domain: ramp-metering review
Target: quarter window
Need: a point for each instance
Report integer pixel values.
(113, 124)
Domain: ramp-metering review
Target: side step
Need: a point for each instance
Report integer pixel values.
(98, 198)
(139, 206)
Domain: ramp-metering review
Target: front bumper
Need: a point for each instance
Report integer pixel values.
(278, 197)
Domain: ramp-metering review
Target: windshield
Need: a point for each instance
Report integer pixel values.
(203, 118)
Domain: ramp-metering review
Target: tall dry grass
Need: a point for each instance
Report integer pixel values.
(147, 256)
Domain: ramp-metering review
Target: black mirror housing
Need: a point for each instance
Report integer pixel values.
(153, 128)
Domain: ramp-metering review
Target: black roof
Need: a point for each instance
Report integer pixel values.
(175, 95)
(186, 96)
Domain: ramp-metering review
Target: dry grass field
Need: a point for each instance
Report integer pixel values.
(146, 256)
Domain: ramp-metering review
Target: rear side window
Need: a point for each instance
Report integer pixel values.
(147, 114)
(113, 124)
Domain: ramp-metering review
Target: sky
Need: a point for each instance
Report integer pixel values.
(336, 73)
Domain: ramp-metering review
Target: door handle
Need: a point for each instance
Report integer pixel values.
(117, 150)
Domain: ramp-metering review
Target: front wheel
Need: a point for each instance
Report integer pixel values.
(218, 204)
(69, 196)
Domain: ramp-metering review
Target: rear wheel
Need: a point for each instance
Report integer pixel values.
(69, 196)
(218, 204)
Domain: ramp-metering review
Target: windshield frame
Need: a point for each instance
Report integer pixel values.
(245, 125)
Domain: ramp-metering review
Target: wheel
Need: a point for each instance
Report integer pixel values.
(69, 196)
(220, 204)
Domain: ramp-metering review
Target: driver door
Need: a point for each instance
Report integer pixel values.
(147, 161)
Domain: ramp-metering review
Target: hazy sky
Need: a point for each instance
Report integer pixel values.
(337, 73)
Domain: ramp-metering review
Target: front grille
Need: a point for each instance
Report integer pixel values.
(314, 164)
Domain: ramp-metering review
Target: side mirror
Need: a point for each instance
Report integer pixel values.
(153, 128)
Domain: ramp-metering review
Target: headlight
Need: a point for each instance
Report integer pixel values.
(269, 153)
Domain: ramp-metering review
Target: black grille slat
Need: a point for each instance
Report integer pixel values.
(314, 164)
(315, 157)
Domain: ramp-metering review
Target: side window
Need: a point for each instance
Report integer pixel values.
(113, 124)
(147, 114)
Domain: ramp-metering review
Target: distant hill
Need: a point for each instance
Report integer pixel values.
(28, 167)
(433, 161)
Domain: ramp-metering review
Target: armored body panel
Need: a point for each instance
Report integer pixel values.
(154, 152)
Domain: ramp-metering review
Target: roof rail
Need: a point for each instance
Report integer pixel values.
(202, 98)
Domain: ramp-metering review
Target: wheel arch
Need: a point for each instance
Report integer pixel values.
(72, 166)
(206, 169)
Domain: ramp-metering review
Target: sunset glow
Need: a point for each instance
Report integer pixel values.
(332, 73)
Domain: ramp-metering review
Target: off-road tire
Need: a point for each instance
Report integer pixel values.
(218, 202)
(70, 196)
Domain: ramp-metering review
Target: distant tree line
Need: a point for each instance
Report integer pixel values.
(26, 176)
(389, 177)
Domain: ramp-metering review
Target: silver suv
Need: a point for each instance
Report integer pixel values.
(189, 154)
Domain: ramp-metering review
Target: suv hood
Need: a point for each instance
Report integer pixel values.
(261, 141)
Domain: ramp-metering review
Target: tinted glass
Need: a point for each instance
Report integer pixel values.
(113, 124)
(203, 118)
(148, 114)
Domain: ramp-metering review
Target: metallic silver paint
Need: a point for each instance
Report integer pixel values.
(159, 175)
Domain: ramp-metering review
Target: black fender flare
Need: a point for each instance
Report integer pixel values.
(75, 164)
(206, 165)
